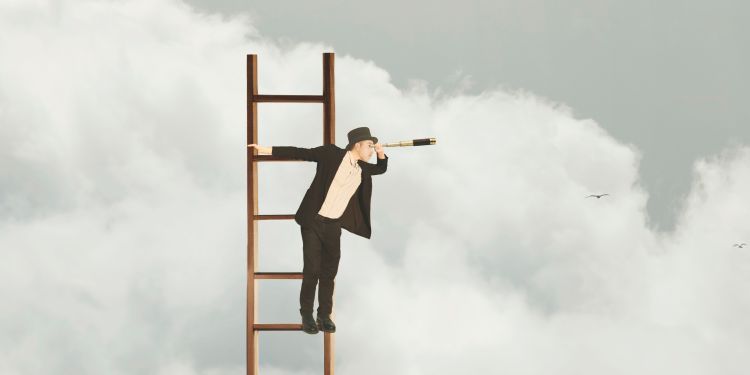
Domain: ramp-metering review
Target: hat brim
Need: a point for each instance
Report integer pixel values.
(373, 139)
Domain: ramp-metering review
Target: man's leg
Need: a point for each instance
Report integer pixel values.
(312, 248)
(329, 267)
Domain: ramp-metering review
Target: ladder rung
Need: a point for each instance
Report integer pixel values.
(287, 98)
(273, 217)
(277, 327)
(278, 275)
(272, 158)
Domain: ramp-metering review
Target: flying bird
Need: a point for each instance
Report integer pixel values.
(740, 245)
(597, 195)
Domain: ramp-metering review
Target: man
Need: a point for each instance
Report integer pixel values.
(338, 197)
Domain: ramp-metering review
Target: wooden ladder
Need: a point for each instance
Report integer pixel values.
(329, 131)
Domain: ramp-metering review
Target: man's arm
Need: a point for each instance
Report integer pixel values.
(307, 154)
(380, 167)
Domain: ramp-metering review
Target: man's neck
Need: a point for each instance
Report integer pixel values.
(353, 155)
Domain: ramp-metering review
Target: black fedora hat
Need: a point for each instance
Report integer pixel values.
(360, 134)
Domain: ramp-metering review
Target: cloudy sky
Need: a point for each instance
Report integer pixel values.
(122, 186)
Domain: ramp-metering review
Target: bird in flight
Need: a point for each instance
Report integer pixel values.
(597, 195)
(740, 245)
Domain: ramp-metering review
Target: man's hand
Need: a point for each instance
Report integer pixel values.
(380, 151)
(261, 150)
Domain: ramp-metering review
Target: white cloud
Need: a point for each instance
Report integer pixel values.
(122, 216)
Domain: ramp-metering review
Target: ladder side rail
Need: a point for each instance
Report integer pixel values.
(252, 225)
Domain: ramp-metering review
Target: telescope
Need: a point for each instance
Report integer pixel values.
(413, 142)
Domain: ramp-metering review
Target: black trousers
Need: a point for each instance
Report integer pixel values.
(321, 245)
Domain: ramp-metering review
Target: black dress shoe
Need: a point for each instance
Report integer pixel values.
(308, 323)
(325, 323)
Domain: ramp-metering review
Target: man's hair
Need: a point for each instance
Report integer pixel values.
(350, 147)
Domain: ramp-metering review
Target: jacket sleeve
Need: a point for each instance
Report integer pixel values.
(379, 168)
(307, 154)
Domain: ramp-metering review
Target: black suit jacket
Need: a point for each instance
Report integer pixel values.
(356, 216)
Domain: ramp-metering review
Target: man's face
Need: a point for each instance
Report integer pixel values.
(365, 149)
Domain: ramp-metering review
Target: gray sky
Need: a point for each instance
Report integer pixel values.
(122, 204)
(669, 76)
